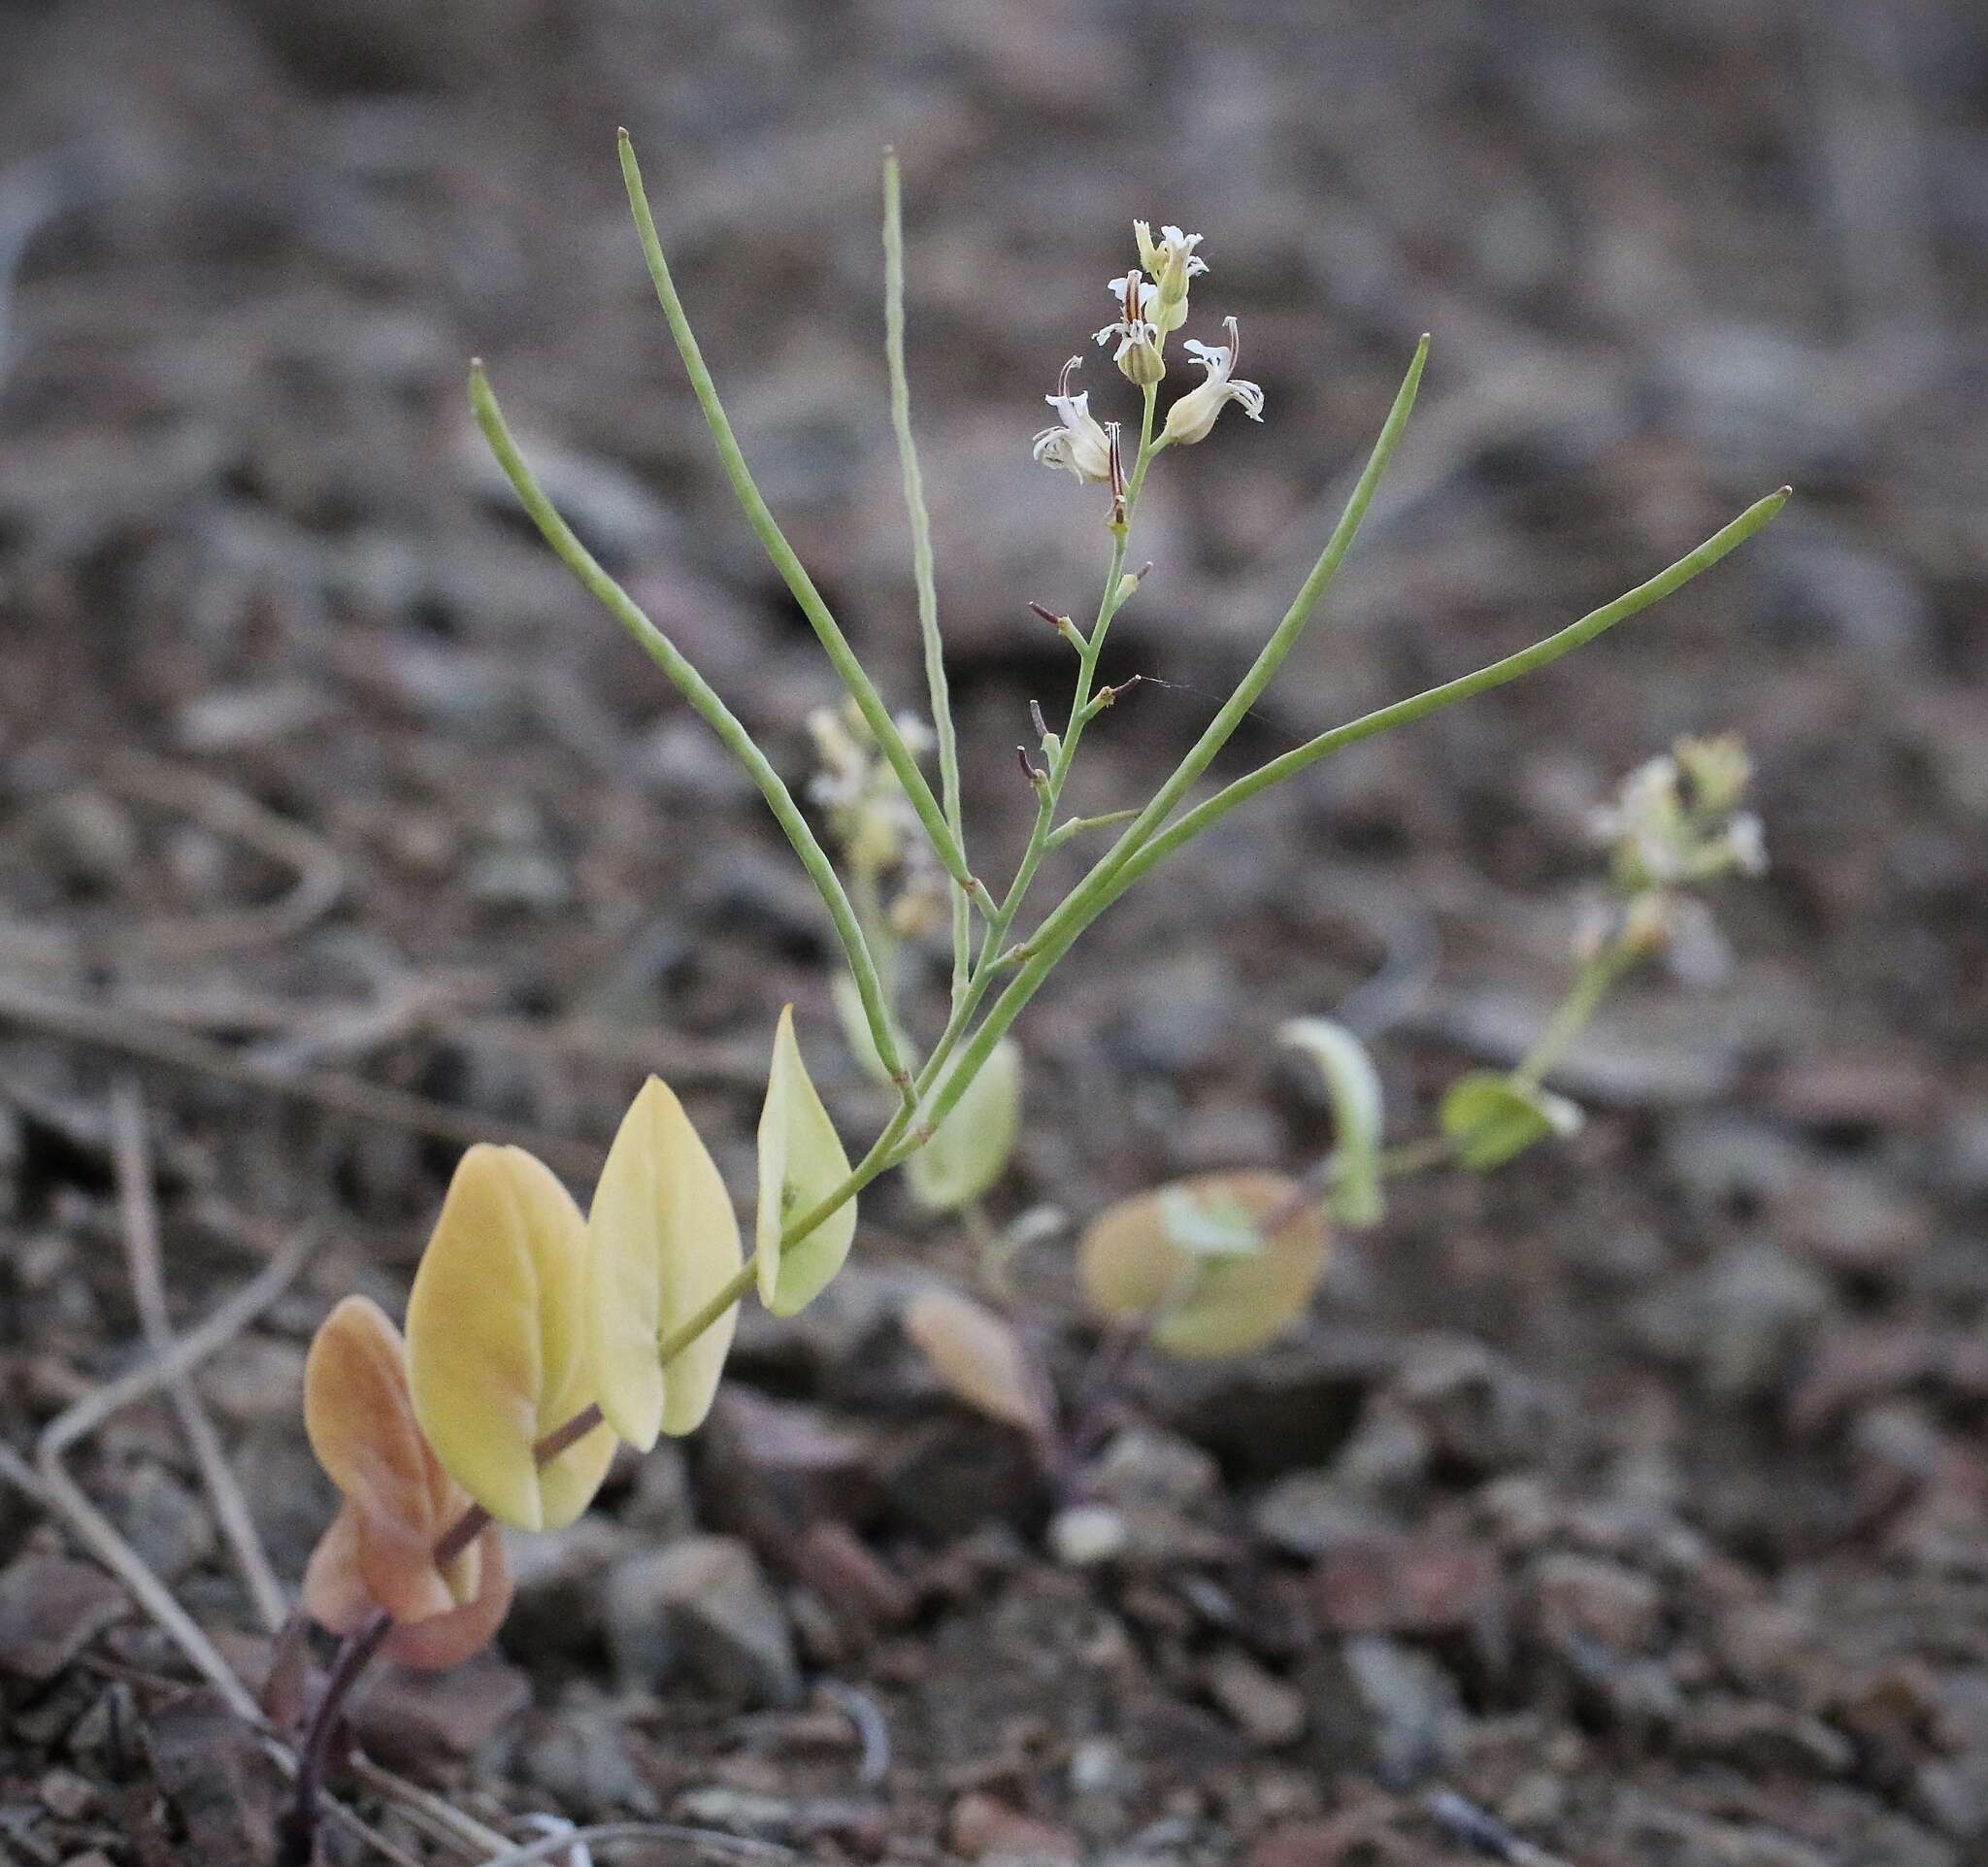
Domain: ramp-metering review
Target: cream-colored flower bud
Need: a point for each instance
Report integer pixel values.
(1139, 357)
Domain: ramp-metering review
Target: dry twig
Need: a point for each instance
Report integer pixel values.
(132, 1160)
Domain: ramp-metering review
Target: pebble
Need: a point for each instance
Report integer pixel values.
(983, 1828)
(1383, 1709)
(65, 1794)
(1266, 1708)
(167, 1524)
(1736, 1319)
(1579, 1597)
(1088, 1534)
(1308, 1513)
(702, 1603)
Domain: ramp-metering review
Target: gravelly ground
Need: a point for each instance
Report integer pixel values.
(1633, 1499)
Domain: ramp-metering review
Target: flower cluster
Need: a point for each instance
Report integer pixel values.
(1674, 825)
(870, 817)
(1152, 302)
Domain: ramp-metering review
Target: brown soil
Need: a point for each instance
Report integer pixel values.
(1628, 1507)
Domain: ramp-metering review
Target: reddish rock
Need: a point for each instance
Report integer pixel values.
(1398, 1586)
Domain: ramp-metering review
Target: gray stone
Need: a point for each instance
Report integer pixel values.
(702, 1606)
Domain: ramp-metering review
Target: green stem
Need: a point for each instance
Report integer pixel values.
(923, 571)
(1591, 985)
(1110, 877)
(702, 696)
(1050, 795)
(773, 541)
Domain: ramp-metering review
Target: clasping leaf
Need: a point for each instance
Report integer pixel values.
(662, 1242)
(801, 1163)
(1492, 1118)
(495, 1350)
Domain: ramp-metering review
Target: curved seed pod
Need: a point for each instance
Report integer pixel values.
(663, 1241)
(495, 1349)
(1353, 1085)
(801, 1162)
(971, 1147)
(1191, 1259)
(977, 1357)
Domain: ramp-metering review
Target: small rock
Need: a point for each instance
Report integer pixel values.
(703, 1602)
(1577, 1597)
(1263, 1705)
(65, 1794)
(782, 1462)
(167, 1524)
(1480, 1412)
(90, 841)
(50, 1609)
(850, 1576)
(523, 877)
(580, 1758)
(1308, 1513)
(1763, 1739)
(1853, 1221)
(1088, 1534)
(406, 1717)
(1736, 1319)
(556, 1605)
(210, 1766)
(982, 1828)
(1398, 1585)
(1382, 1708)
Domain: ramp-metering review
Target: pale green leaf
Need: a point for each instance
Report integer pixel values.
(1491, 1118)
(855, 1023)
(662, 1242)
(967, 1155)
(801, 1163)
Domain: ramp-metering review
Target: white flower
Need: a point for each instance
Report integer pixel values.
(1191, 418)
(1080, 444)
(1138, 355)
(1172, 264)
(1136, 301)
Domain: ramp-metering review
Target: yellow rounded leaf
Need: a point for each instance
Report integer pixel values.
(496, 1352)
(663, 1241)
(1191, 1257)
(977, 1357)
(801, 1162)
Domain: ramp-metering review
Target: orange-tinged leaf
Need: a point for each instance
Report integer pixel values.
(977, 1357)
(662, 1242)
(495, 1354)
(447, 1640)
(337, 1597)
(335, 1593)
(361, 1425)
(1189, 1257)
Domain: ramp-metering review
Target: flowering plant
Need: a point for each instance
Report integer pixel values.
(537, 1337)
